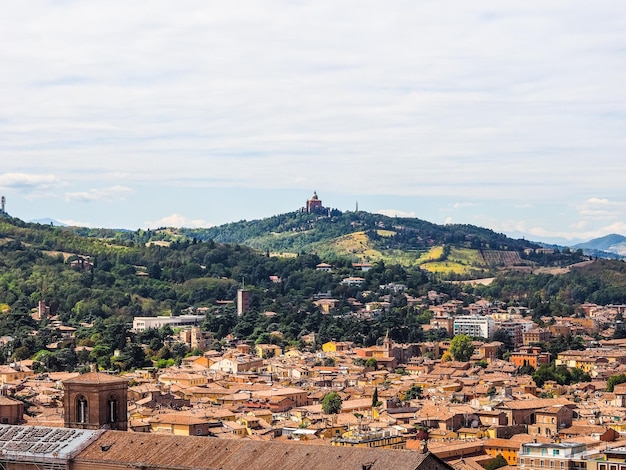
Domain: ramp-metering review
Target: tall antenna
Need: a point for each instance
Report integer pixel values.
(3, 201)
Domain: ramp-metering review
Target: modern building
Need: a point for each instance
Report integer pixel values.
(474, 325)
(145, 323)
(612, 459)
(554, 456)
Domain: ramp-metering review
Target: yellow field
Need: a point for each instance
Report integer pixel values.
(385, 233)
(459, 261)
(434, 253)
(358, 244)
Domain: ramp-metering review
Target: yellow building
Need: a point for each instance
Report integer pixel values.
(374, 439)
(183, 379)
(11, 374)
(508, 448)
(336, 346)
(267, 350)
(180, 424)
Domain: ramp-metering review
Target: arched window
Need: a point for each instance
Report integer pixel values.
(112, 409)
(82, 409)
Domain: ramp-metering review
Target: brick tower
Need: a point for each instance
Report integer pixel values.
(96, 401)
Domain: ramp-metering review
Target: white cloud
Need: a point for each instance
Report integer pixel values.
(104, 194)
(177, 220)
(517, 101)
(461, 205)
(75, 223)
(601, 208)
(541, 233)
(395, 213)
(28, 181)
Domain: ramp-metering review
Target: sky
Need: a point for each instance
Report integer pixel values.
(507, 115)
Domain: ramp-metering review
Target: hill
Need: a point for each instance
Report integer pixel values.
(366, 237)
(98, 280)
(613, 243)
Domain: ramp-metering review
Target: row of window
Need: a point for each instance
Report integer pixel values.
(82, 410)
(530, 463)
(611, 466)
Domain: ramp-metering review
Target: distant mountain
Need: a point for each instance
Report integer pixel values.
(613, 243)
(48, 221)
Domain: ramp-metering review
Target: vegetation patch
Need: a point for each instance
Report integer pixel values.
(355, 245)
(435, 253)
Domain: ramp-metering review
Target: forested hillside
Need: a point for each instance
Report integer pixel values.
(99, 281)
(295, 231)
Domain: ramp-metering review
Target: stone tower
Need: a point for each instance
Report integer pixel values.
(387, 346)
(243, 301)
(96, 401)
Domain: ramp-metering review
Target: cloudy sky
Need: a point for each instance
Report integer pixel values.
(509, 115)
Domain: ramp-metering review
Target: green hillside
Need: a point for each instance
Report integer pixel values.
(365, 237)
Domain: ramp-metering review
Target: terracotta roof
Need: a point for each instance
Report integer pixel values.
(95, 378)
(191, 452)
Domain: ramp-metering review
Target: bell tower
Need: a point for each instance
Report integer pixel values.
(96, 401)
(387, 346)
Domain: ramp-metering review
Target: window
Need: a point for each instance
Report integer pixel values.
(541, 463)
(556, 452)
(551, 463)
(81, 409)
(112, 409)
(562, 465)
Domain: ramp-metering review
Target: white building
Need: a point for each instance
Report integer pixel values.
(475, 326)
(144, 323)
(353, 281)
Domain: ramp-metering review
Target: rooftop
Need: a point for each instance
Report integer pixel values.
(28, 443)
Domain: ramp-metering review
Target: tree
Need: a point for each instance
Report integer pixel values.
(497, 462)
(371, 363)
(526, 369)
(615, 380)
(331, 403)
(414, 392)
(375, 401)
(329, 362)
(461, 348)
